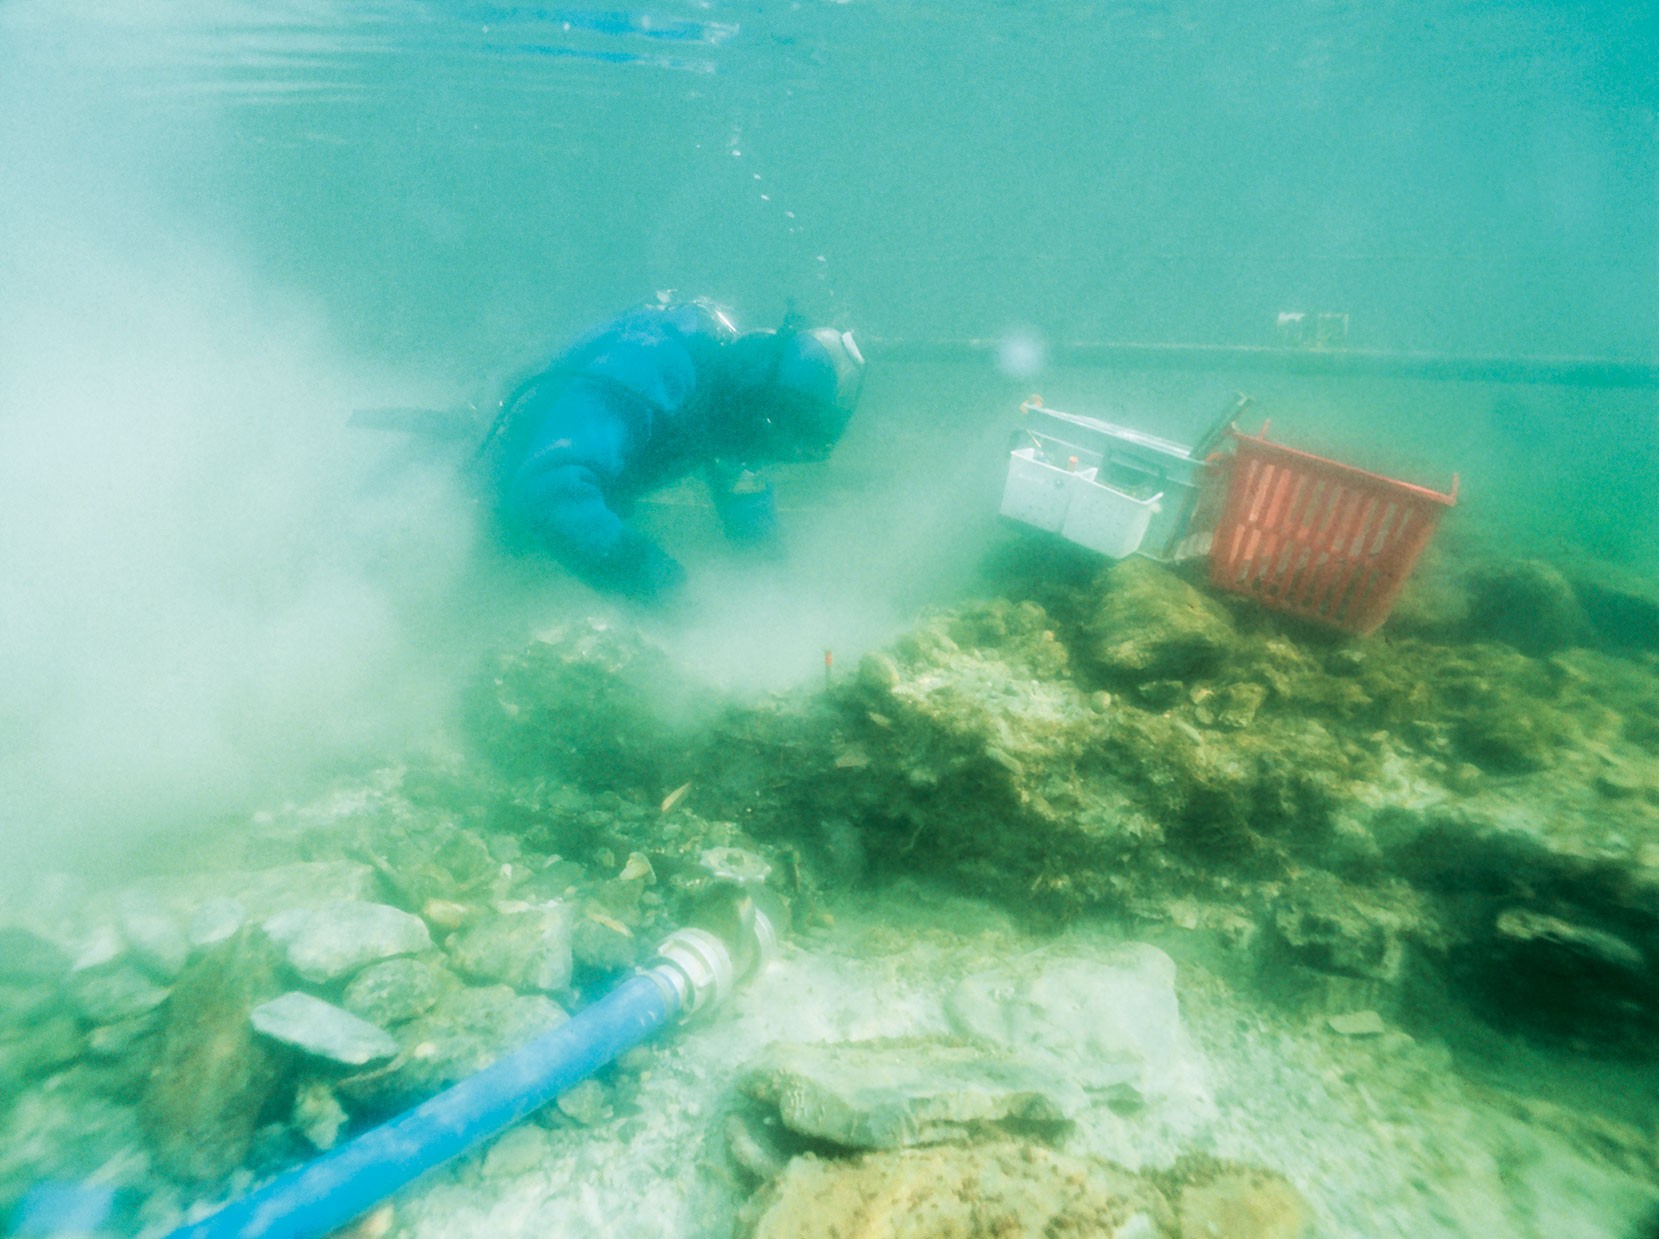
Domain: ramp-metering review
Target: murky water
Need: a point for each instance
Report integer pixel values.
(224, 226)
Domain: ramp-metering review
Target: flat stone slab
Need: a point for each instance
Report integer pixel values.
(889, 1094)
(322, 1029)
(1111, 1024)
(326, 941)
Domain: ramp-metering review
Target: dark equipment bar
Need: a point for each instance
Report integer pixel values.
(1336, 362)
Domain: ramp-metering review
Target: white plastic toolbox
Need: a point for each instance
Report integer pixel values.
(1072, 503)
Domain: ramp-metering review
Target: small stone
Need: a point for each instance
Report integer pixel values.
(156, 940)
(322, 1029)
(586, 1102)
(330, 940)
(395, 990)
(444, 914)
(1357, 1024)
(516, 1153)
(638, 869)
(318, 1115)
(114, 992)
(215, 921)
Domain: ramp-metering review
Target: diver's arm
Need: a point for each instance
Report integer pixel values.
(557, 496)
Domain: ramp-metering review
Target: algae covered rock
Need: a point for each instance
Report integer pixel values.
(213, 1077)
(396, 990)
(1527, 603)
(1149, 624)
(527, 946)
(1011, 1190)
(593, 703)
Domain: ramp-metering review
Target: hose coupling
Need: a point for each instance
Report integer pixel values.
(697, 966)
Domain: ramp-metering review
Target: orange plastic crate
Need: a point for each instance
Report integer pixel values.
(1316, 538)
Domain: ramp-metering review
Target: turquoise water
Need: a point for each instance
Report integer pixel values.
(223, 226)
(226, 225)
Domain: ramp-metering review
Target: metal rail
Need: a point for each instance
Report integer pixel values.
(1334, 362)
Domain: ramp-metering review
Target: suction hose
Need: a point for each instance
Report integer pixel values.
(693, 970)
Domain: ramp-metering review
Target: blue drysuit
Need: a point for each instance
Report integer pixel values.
(638, 403)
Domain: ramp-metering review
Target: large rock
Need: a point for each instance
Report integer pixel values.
(1151, 625)
(326, 941)
(1007, 1190)
(1622, 605)
(527, 946)
(593, 703)
(1528, 604)
(1111, 1026)
(893, 1093)
(213, 1076)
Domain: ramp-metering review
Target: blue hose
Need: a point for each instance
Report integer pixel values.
(325, 1194)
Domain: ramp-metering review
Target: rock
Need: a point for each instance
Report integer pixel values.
(1566, 978)
(603, 944)
(1152, 625)
(893, 1093)
(1622, 605)
(467, 859)
(1235, 1202)
(322, 1030)
(1007, 1190)
(516, 1153)
(465, 1031)
(318, 1115)
(594, 703)
(214, 921)
(585, 1103)
(25, 956)
(527, 946)
(1112, 1026)
(330, 940)
(212, 1076)
(396, 990)
(1232, 706)
(113, 992)
(1528, 604)
(1357, 1024)
(1338, 927)
(157, 941)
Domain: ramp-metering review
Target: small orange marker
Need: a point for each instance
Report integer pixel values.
(829, 661)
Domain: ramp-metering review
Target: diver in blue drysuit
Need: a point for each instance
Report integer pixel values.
(665, 389)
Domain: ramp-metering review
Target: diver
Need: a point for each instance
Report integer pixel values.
(666, 389)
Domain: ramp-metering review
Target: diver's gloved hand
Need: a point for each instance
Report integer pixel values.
(637, 569)
(749, 515)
